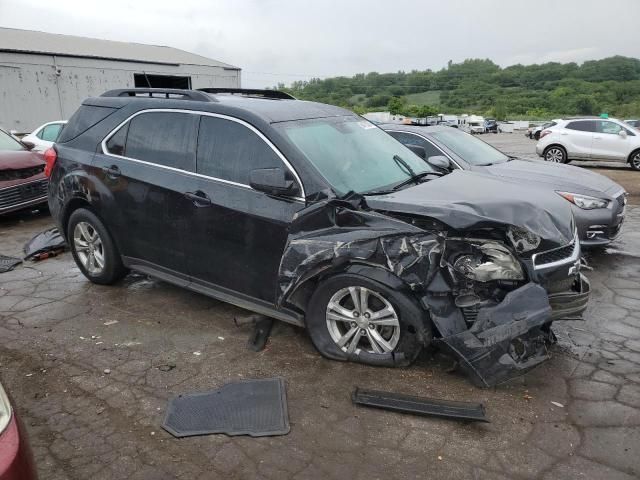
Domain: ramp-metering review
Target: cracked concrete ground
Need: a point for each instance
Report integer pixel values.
(58, 337)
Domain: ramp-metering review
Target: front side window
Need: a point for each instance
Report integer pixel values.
(471, 149)
(352, 154)
(163, 138)
(411, 139)
(582, 126)
(229, 150)
(50, 133)
(7, 142)
(608, 127)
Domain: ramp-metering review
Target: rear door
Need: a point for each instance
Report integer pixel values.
(577, 136)
(236, 235)
(144, 170)
(608, 144)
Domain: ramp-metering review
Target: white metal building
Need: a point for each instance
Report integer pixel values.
(45, 76)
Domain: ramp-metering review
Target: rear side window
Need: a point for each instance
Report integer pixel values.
(582, 126)
(85, 117)
(228, 150)
(50, 132)
(410, 139)
(163, 138)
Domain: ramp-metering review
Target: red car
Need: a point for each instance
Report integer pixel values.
(16, 460)
(22, 180)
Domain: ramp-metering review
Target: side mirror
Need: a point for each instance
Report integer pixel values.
(439, 162)
(273, 181)
(29, 145)
(418, 150)
(623, 133)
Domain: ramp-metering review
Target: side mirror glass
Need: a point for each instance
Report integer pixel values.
(439, 162)
(29, 145)
(273, 181)
(418, 150)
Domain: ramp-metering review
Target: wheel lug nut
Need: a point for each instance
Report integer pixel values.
(363, 332)
(356, 314)
(353, 324)
(372, 326)
(367, 315)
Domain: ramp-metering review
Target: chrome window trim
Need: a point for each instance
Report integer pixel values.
(103, 145)
(575, 254)
(427, 140)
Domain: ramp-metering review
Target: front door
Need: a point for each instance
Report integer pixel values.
(148, 165)
(608, 143)
(235, 235)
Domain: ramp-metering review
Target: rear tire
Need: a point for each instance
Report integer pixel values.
(388, 331)
(93, 248)
(555, 154)
(634, 160)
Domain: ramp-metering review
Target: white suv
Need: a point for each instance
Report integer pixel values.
(601, 139)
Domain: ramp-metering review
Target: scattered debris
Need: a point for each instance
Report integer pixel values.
(167, 367)
(29, 375)
(8, 263)
(197, 354)
(251, 407)
(420, 406)
(44, 245)
(107, 371)
(220, 338)
(260, 335)
(110, 322)
(439, 457)
(559, 405)
(527, 397)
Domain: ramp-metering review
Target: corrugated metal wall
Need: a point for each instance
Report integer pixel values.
(35, 89)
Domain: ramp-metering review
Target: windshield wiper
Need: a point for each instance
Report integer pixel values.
(401, 163)
(415, 179)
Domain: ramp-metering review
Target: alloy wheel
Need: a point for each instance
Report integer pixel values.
(554, 155)
(635, 161)
(359, 318)
(89, 248)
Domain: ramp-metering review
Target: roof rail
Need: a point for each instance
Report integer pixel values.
(250, 91)
(168, 93)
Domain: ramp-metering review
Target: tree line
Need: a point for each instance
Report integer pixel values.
(610, 85)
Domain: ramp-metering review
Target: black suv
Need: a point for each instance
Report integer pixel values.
(312, 215)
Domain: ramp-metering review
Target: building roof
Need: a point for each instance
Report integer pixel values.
(30, 41)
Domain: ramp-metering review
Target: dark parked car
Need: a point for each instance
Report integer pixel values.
(22, 180)
(490, 125)
(598, 203)
(307, 213)
(16, 459)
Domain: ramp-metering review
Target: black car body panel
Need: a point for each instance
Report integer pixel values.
(267, 252)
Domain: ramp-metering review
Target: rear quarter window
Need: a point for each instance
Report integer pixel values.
(85, 117)
(582, 126)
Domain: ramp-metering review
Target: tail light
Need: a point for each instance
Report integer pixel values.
(50, 157)
(544, 132)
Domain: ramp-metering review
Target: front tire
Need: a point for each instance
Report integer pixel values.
(93, 248)
(555, 154)
(353, 318)
(634, 160)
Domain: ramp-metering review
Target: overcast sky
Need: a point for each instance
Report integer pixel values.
(284, 40)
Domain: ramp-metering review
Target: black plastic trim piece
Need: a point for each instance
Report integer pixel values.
(169, 93)
(420, 406)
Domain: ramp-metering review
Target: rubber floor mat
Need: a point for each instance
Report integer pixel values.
(251, 407)
(8, 263)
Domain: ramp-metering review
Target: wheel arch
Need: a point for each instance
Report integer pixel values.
(558, 145)
(632, 154)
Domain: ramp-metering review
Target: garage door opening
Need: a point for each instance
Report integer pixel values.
(161, 81)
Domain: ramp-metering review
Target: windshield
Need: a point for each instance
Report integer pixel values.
(7, 142)
(352, 154)
(469, 148)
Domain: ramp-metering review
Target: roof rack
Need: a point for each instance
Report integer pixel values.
(168, 93)
(250, 91)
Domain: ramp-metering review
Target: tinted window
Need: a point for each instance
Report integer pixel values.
(582, 125)
(50, 132)
(116, 143)
(410, 139)
(470, 148)
(81, 121)
(229, 150)
(164, 138)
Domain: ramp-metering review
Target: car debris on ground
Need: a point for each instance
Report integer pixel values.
(44, 245)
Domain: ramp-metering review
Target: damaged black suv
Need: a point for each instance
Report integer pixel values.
(307, 213)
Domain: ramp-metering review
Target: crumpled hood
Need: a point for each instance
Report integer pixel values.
(556, 176)
(468, 200)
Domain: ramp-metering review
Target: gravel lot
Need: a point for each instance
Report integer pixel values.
(58, 338)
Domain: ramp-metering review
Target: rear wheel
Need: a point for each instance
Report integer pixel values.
(350, 317)
(93, 249)
(634, 160)
(555, 154)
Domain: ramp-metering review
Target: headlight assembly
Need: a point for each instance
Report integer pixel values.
(5, 410)
(584, 201)
(491, 261)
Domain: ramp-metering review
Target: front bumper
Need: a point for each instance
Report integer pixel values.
(599, 226)
(510, 338)
(23, 195)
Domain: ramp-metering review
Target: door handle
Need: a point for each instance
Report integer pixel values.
(113, 171)
(597, 138)
(199, 198)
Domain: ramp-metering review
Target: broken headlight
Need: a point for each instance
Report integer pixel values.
(523, 240)
(491, 261)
